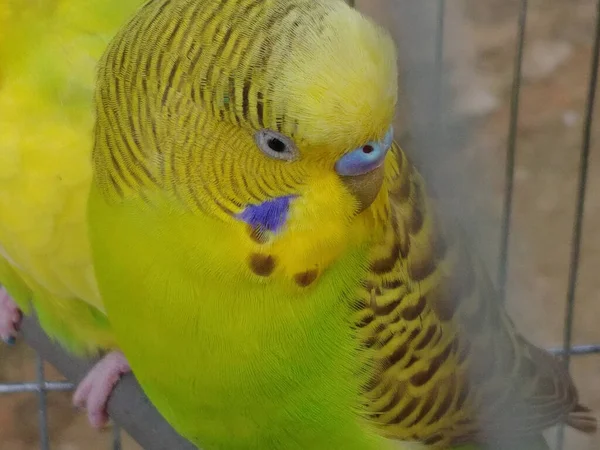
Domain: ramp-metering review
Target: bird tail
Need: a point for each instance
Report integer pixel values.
(582, 419)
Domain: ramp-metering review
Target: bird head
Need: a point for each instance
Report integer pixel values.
(275, 122)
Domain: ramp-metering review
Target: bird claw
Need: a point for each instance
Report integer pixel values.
(96, 387)
(10, 318)
(94, 390)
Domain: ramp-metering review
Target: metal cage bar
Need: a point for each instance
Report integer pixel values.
(439, 71)
(511, 150)
(43, 421)
(579, 212)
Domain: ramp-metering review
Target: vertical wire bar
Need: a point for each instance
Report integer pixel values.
(579, 211)
(510, 152)
(581, 192)
(439, 70)
(43, 421)
(116, 437)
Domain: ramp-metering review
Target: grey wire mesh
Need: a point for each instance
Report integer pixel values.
(44, 440)
(41, 386)
(579, 212)
(511, 150)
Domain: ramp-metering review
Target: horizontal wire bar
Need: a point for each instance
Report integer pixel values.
(577, 350)
(13, 388)
(61, 386)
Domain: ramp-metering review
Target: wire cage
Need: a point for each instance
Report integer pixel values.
(422, 29)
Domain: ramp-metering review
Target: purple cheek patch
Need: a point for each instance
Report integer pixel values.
(268, 216)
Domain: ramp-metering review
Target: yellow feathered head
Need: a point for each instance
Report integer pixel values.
(274, 114)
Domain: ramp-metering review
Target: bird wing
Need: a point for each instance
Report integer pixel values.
(447, 364)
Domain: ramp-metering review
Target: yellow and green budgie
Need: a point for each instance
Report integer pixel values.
(48, 55)
(270, 260)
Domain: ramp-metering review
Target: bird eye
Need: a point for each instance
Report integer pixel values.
(276, 145)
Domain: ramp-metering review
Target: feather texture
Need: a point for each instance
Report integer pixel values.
(449, 365)
(48, 53)
(342, 330)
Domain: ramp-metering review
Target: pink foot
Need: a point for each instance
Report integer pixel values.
(10, 317)
(95, 389)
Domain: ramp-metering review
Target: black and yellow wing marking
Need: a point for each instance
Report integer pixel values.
(448, 366)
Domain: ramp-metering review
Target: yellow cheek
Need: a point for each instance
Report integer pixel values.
(319, 229)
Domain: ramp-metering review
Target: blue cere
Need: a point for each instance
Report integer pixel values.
(366, 158)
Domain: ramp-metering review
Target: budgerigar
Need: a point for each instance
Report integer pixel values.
(270, 260)
(48, 54)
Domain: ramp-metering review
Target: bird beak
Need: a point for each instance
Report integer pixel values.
(365, 188)
(362, 171)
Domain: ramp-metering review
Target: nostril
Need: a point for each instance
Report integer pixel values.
(361, 160)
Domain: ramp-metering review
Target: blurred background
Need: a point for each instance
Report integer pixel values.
(456, 128)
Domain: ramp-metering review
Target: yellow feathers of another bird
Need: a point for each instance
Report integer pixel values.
(48, 55)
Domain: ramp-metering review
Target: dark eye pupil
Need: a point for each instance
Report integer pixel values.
(276, 145)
